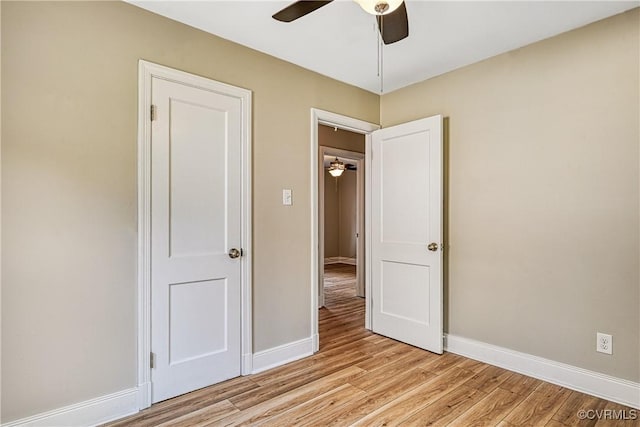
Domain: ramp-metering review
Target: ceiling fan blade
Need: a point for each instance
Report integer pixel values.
(394, 26)
(299, 9)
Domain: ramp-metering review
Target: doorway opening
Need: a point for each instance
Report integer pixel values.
(323, 125)
(341, 227)
(341, 204)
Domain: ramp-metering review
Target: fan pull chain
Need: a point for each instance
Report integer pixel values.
(375, 28)
(381, 54)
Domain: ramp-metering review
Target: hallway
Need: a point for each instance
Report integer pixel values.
(342, 318)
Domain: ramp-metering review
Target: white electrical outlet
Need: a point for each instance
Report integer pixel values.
(604, 343)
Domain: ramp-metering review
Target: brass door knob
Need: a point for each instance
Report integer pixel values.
(234, 253)
(433, 247)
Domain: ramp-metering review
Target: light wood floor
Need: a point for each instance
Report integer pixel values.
(358, 378)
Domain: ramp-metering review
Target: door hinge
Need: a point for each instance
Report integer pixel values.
(152, 360)
(153, 112)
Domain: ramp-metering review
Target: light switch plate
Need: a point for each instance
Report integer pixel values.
(287, 200)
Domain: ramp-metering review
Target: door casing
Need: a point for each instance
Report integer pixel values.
(354, 125)
(147, 71)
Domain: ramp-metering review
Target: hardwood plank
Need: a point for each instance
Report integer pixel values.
(442, 363)
(346, 338)
(620, 416)
(489, 379)
(394, 412)
(310, 412)
(447, 408)
(306, 367)
(370, 345)
(567, 414)
(203, 416)
(383, 389)
(181, 405)
(264, 393)
(472, 365)
(400, 355)
(538, 408)
(286, 401)
(490, 410)
(371, 379)
(520, 384)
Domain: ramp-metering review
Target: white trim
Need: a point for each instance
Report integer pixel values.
(353, 125)
(147, 71)
(596, 384)
(367, 232)
(277, 356)
(88, 413)
(340, 260)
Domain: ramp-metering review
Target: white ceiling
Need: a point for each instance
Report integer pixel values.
(339, 40)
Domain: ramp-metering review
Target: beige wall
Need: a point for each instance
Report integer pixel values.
(347, 213)
(340, 215)
(340, 138)
(69, 98)
(543, 194)
(331, 216)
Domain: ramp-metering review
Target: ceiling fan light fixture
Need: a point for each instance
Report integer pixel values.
(336, 168)
(379, 7)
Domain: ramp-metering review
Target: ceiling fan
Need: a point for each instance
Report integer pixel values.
(390, 14)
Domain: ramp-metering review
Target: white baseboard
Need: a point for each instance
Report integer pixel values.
(596, 384)
(339, 260)
(280, 355)
(88, 413)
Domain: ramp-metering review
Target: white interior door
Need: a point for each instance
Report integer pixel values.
(195, 220)
(406, 233)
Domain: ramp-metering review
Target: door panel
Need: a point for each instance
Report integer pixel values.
(195, 219)
(403, 167)
(197, 313)
(406, 201)
(399, 280)
(197, 148)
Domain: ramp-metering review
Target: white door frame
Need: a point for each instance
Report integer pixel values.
(358, 158)
(358, 126)
(147, 71)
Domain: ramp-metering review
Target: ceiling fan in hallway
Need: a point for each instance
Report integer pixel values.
(390, 14)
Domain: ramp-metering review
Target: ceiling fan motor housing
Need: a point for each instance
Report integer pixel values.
(381, 7)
